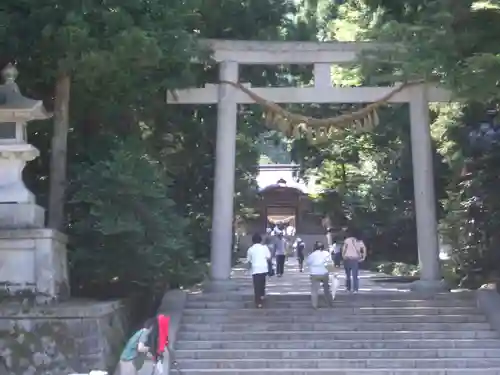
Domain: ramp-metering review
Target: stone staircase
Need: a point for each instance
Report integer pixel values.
(384, 330)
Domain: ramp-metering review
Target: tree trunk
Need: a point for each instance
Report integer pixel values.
(344, 176)
(58, 154)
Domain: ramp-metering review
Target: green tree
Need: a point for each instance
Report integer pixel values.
(91, 42)
(372, 173)
(451, 43)
(122, 215)
(122, 58)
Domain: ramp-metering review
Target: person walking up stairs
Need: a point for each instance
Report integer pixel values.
(353, 253)
(258, 258)
(280, 251)
(319, 262)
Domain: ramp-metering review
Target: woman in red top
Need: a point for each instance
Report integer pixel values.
(157, 342)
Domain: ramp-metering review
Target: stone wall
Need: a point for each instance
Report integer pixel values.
(74, 336)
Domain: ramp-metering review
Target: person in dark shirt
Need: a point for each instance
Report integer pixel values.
(300, 247)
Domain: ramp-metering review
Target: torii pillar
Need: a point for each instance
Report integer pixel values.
(425, 196)
(225, 155)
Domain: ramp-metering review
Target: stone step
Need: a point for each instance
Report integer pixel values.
(253, 313)
(336, 335)
(344, 326)
(305, 283)
(377, 332)
(373, 363)
(343, 371)
(307, 354)
(306, 303)
(305, 287)
(339, 344)
(334, 318)
(239, 296)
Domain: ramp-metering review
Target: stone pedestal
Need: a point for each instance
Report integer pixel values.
(34, 261)
(21, 215)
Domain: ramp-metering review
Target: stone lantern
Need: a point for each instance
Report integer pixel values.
(17, 203)
(31, 257)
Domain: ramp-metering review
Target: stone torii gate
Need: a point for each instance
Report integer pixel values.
(231, 53)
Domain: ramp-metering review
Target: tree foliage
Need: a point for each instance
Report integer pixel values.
(450, 43)
(140, 173)
(122, 214)
(454, 44)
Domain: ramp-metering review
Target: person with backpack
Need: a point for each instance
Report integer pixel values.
(353, 253)
(158, 344)
(320, 264)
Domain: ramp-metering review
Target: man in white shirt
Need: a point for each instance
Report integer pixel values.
(318, 262)
(258, 256)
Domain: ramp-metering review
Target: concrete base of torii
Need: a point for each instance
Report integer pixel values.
(220, 286)
(429, 286)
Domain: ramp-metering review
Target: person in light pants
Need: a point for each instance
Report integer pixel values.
(319, 262)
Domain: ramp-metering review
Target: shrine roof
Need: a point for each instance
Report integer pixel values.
(297, 189)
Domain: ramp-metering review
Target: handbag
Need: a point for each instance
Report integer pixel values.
(334, 285)
(158, 368)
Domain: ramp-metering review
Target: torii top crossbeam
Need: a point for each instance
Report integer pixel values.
(251, 52)
(320, 54)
